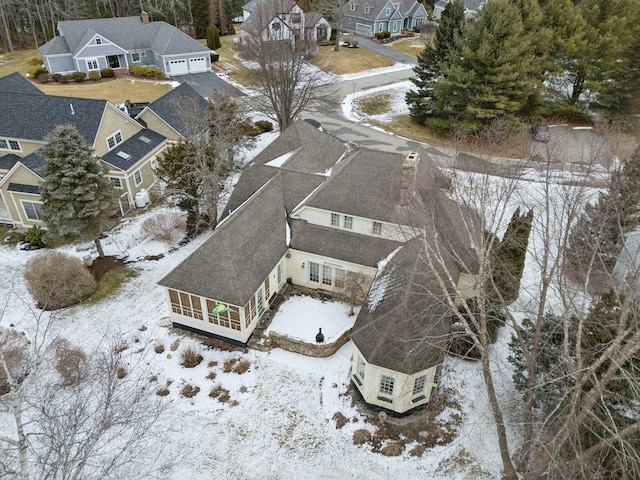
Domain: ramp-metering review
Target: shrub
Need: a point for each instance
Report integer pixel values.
(159, 348)
(79, 76)
(44, 78)
(14, 347)
(94, 76)
(393, 449)
(417, 451)
(211, 375)
(174, 346)
(242, 367)
(121, 372)
(212, 363)
(229, 364)
(242, 389)
(35, 62)
(189, 391)
(107, 73)
(162, 392)
(222, 394)
(57, 280)
(35, 236)
(37, 70)
(190, 357)
(362, 436)
(340, 419)
(138, 71)
(63, 79)
(168, 227)
(264, 125)
(70, 362)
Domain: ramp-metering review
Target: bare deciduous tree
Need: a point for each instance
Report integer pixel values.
(287, 84)
(95, 427)
(582, 428)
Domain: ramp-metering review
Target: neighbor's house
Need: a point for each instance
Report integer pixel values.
(117, 43)
(471, 8)
(368, 17)
(282, 20)
(311, 212)
(178, 114)
(126, 149)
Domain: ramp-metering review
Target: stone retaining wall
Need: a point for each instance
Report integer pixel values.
(309, 349)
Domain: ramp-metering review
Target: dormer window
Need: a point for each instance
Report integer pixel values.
(352, 5)
(367, 8)
(388, 11)
(98, 41)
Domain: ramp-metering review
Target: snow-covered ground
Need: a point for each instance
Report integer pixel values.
(278, 421)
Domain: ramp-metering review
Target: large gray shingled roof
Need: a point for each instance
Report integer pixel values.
(33, 116)
(404, 323)
(130, 152)
(130, 33)
(175, 107)
(16, 83)
(233, 262)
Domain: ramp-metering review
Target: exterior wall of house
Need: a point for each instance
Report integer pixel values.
(364, 226)
(405, 395)
(156, 124)
(298, 268)
(195, 312)
(13, 200)
(114, 121)
(60, 63)
(5, 216)
(26, 146)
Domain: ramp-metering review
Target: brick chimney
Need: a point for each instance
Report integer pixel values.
(144, 16)
(409, 173)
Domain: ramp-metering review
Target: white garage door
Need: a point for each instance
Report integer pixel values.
(178, 67)
(364, 30)
(198, 65)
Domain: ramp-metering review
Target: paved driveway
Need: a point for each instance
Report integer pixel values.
(207, 82)
(385, 51)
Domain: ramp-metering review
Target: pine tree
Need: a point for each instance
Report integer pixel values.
(213, 37)
(494, 73)
(75, 193)
(430, 60)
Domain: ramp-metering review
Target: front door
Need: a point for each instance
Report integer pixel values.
(322, 33)
(113, 61)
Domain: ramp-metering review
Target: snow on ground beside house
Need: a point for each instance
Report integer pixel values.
(396, 97)
(376, 71)
(300, 317)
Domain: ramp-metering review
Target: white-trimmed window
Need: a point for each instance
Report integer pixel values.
(386, 384)
(259, 302)
(184, 304)
(275, 26)
(327, 275)
(10, 145)
(92, 63)
(279, 273)
(367, 8)
(352, 5)
(295, 18)
(418, 384)
(314, 272)
(388, 11)
(117, 183)
(115, 139)
(339, 278)
(135, 56)
(361, 366)
(377, 228)
(335, 220)
(348, 222)
(395, 26)
(380, 25)
(137, 177)
(33, 210)
(98, 41)
(154, 163)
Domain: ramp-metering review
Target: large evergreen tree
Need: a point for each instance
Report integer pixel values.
(429, 67)
(75, 193)
(494, 74)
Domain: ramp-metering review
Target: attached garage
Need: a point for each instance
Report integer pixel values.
(177, 67)
(197, 65)
(364, 30)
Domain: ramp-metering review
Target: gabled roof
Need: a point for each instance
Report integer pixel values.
(23, 188)
(340, 244)
(374, 178)
(8, 161)
(296, 186)
(129, 33)
(405, 7)
(175, 106)
(404, 322)
(33, 116)
(55, 46)
(312, 151)
(262, 12)
(129, 153)
(34, 161)
(16, 83)
(233, 262)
